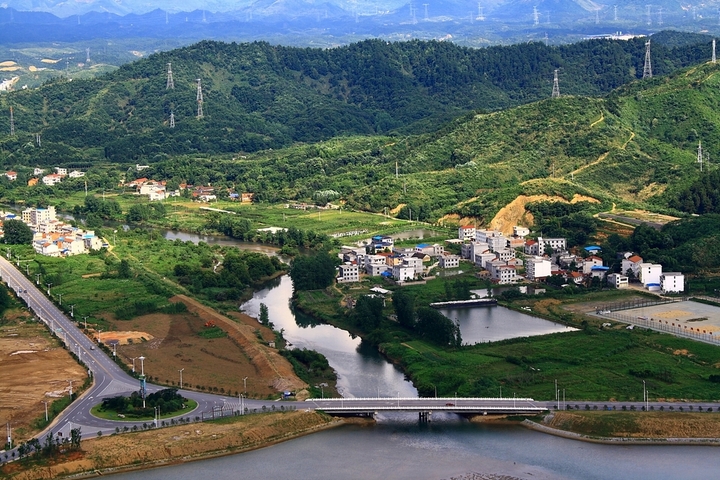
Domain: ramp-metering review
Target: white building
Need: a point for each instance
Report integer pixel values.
(649, 274)
(631, 263)
(590, 262)
(672, 282)
(38, 171)
(403, 272)
(375, 265)
(537, 268)
(415, 263)
(557, 244)
(497, 242)
(349, 272)
(618, 280)
(449, 261)
(502, 273)
(466, 232)
(52, 179)
(76, 174)
(61, 171)
(520, 232)
(36, 216)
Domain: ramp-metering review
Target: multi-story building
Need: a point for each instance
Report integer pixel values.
(537, 268)
(449, 261)
(672, 282)
(348, 272)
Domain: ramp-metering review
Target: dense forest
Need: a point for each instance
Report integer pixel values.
(259, 96)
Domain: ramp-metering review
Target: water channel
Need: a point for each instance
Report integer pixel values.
(398, 447)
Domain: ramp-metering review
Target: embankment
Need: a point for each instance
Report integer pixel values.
(184, 443)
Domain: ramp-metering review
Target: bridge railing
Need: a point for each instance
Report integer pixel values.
(422, 399)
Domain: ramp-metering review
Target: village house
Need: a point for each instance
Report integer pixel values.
(672, 282)
(348, 272)
(32, 182)
(61, 171)
(375, 265)
(431, 250)
(618, 280)
(38, 171)
(449, 261)
(466, 232)
(11, 175)
(631, 264)
(520, 232)
(537, 268)
(76, 174)
(590, 262)
(52, 179)
(403, 272)
(502, 273)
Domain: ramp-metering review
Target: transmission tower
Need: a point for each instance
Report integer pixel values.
(170, 84)
(37, 140)
(647, 69)
(597, 16)
(87, 55)
(199, 100)
(647, 14)
(660, 21)
(172, 120)
(556, 86)
(701, 156)
(714, 58)
(547, 40)
(615, 16)
(481, 14)
(536, 16)
(426, 11)
(12, 122)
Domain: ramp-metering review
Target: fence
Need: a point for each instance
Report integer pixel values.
(668, 326)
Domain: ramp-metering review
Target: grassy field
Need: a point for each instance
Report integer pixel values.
(639, 424)
(97, 411)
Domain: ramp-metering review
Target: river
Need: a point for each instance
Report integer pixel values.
(398, 447)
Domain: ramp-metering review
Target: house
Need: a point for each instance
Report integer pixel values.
(76, 174)
(11, 175)
(532, 248)
(36, 216)
(449, 261)
(137, 182)
(497, 242)
(502, 273)
(207, 198)
(32, 182)
(381, 242)
(38, 171)
(504, 254)
(515, 242)
(415, 263)
(556, 244)
(537, 268)
(591, 262)
(631, 264)
(481, 259)
(618, 280)
(61, 171)
(484, 235)
(649, 273)
(672, 282)
(247, 197)
(52, 179)
(403, 272)
(139, 168)
(592, 249)
(431, 250)
(469, 250)
(466, 232)
(520, 232)
(375, 265)
(349, 272)
(576, 277)
(599, 272)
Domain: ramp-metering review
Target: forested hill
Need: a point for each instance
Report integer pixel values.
(259, 96)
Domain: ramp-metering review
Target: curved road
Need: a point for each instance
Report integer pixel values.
(109, 379)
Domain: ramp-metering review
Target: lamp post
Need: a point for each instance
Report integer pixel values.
(645, 396)
(72, 311)
(181, 370)
(115, 349)
(245, 385)
(142, 365)
(46, 412)
(133, 367)
(70, 388)
(85, 318)
(48, 290)
(242, 404)
(60, 296)
(37, 279)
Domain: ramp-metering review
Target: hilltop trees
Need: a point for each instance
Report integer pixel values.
(17, 232)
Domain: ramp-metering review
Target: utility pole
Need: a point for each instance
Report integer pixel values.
(170, 84)
(199, 100)
(46, 412)
(181, 370)
(12, 122)
(72, 311)
(556, 86)
(85, 318)
(245, 385)
(647, 69)
(37, 279)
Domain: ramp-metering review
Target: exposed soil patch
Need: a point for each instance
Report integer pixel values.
(27, 351)
(639, 424)
(515, 213)
(216, 364)
(123, 338)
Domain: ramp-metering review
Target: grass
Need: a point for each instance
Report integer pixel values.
(98, 412)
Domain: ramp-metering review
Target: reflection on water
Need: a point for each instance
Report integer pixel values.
(361, 370)
(493, 323)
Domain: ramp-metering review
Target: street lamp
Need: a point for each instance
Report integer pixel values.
(181, 370)
(142, 365)
(85, 318)
(48, 290)
(70, 388)
(245, 385)
(645, 396)
(72, 311)
(133, 360)
(37, 279)
(46, 412)
(60, 296)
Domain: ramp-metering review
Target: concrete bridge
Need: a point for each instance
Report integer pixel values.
(425, 406)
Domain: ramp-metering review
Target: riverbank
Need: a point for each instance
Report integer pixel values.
(174, 445)
(637, 428)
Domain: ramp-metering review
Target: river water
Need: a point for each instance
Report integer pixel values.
(398, 447)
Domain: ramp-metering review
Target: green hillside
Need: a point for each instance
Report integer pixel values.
(286, 123)
(259, 96)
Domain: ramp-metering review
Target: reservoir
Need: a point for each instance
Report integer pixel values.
(492, 323)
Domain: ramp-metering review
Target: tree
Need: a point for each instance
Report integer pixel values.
(124, 270)
(17, 233)
(75, 438)
(404, 306)
(368, 312)
(264, 316)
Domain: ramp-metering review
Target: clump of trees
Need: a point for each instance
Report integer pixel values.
(17, 233)
(53, 445)
(313, 272)
(427, 322)
(169, 400)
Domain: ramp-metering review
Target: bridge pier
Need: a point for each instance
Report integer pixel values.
(424, 416)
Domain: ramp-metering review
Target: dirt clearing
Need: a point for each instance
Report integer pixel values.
(515, 213)
(27, 351)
